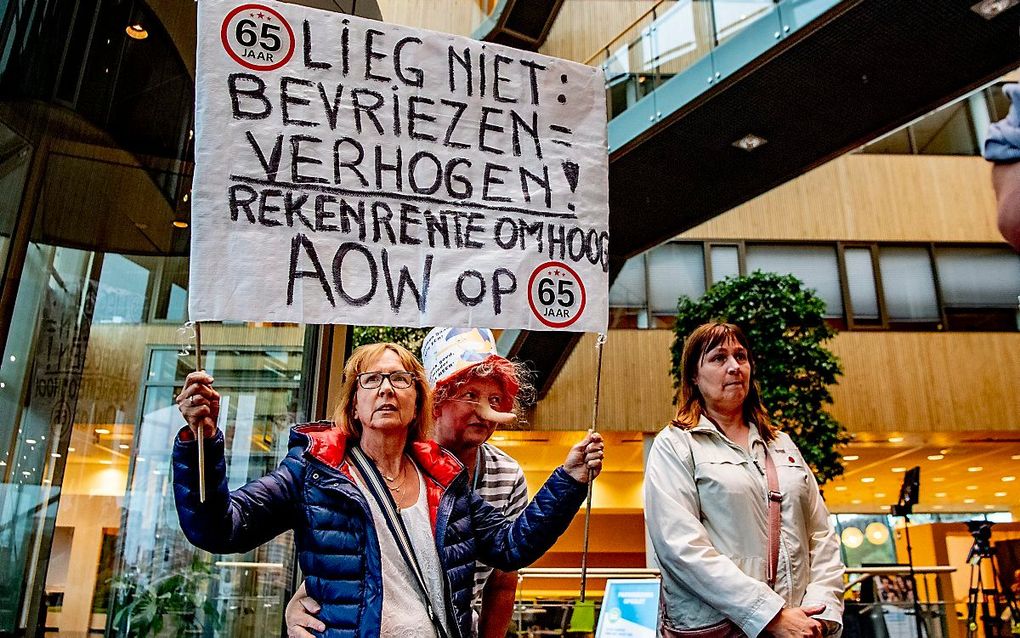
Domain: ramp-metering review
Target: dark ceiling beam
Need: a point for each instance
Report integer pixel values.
(522, 24)
(863, 69)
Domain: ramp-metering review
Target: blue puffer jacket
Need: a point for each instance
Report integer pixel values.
(312, 492)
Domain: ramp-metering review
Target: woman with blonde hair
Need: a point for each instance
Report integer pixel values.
(734, 514)
(387, 527)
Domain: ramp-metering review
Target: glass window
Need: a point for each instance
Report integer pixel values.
(816, 266)
(908, 284)
(123, 285)
(674, 270)
(980, 287)
(628, 290)
(860, 276)
(947, 131)
(725, 262)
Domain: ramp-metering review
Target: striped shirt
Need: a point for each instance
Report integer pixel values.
(499, 480)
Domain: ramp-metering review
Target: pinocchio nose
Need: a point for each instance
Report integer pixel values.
(486, 412)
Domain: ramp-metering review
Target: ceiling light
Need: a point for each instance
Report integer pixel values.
(936, 457)
(851, 457)
(944, 451)
(972, 488)
(989, 9)
(879, 494)
(30, 441)
(1000, 494)
(1015, 457)
(105, 462)
(896, 439)
(976, 468)
(968, 500)
(939, 507)
(898, 470)
(136, 31)
(1008, 479)
(102, 431)
(750, 142)
(877, 533)
(841, 488)
(124, 447)
(180, 223)
(852, 537)
(856, 501)
(868, 479)
(499, 438)
(940, 494)
(70, 449)
(989, 507)
(937, 479)
(55, 455)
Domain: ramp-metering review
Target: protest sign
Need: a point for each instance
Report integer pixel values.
(352, 171)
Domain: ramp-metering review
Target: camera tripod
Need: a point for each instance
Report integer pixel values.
(981, 597)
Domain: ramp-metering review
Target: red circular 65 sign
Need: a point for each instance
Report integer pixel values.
(257, 37)
(556, 294)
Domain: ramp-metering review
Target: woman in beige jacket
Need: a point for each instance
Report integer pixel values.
(707, 504)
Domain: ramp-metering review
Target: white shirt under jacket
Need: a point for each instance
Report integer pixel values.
(707, 517)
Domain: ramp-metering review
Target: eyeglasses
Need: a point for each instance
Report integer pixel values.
(372, 380)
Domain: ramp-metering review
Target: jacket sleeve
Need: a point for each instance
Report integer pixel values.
(683, 549)
(512, 543)
(239, 521)
(825, 585)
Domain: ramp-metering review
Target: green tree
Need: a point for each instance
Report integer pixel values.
(410, 338)
(785, 325)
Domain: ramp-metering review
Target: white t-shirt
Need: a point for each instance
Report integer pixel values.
(403, 612)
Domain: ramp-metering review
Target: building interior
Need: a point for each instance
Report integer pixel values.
(835, 140)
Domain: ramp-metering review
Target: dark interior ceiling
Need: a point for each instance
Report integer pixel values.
(864, 68)
(523, 24)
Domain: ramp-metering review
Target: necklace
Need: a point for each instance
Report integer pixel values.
(395, 483)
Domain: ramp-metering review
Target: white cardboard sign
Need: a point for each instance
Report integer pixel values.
(352, 171)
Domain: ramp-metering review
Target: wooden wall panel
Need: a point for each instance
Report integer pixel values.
(928, 382)
(892, 382)
(871, 197)
(636, 385)
(459, 17)
(585, 26)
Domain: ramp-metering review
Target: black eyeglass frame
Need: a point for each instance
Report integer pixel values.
(387, 376)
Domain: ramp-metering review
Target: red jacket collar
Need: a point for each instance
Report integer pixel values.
(328, 444)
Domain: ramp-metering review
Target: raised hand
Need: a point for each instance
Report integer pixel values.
(199, 403)
(586, 455)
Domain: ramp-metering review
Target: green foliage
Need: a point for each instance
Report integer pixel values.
(410, 338)
(177, 602)
(784, 323)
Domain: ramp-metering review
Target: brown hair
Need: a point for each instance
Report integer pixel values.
(691, 405)
(420, 428)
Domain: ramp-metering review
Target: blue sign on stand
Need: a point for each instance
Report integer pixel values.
(630, 608)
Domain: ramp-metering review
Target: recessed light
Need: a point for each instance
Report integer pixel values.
(938, 507)
(841, 488)
(851, 457)
(55, 455)
(899, 470)
(868, 479)
(976, 468)
(70, 449)
(968, 500)
(856, 501)
(499, 438)
(124, 447)
(180, 223)
(750, 142)
(102, 431)
(879, 494)
(106, 462)
(1015, 457)
(30, 441)
(1008, 479)
(136, 31)
(940, 494)
(1001, 494)
(936, 457)
(972, 488)
(989, 9)
(937, 479)
(895, 439)
(883, 507)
